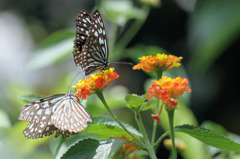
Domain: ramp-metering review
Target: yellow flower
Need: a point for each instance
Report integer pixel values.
(95, 83)
(160, 62)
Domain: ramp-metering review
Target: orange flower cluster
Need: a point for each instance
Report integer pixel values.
(95, 83)
(126, 149)
(168, 89)
(160, 62)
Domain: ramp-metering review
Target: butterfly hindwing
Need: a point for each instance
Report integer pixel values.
(98, 31)
(71, 115)
(35, 130)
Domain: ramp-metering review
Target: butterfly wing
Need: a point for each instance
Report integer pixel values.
(99, 31)
(39, 114)
(61, 113)
(34, 130)
(41, 110)
(70, 115)
(83, 24)
(37, 130)
(94, 53)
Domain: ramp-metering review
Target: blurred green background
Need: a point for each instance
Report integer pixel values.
(36, 44)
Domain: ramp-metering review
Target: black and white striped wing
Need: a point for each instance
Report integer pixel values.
(70, 115)
(83, 25)
(94, 53)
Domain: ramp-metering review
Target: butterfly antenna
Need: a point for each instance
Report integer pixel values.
(73, 80)
(123, 63)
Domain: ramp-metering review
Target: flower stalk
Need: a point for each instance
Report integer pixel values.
(149, 146)
(101, 97)
(159, 75)
(155, 124)
(171, 119)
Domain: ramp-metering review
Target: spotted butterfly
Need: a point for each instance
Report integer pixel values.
(90, 46)
(60, 112)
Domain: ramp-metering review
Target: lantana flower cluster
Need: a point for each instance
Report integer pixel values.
(160, 62)
(168, 89)
(94, 83)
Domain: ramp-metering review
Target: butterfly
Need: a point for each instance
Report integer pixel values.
(90, 46)
(60, 112)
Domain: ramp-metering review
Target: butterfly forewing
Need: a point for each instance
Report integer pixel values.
(71, 115)
(94, 53)
(40, 110)
(83, 24)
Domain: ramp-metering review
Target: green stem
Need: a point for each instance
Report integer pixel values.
(100, 96)
(155, 123)
(160, 139)
(134, 28)
(159, 75)
(149, 147)
(151, 152)
(170, 118)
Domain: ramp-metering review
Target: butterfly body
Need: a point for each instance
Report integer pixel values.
(90, 46)
(61, 113)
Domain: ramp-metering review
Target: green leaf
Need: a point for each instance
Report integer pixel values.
(110, 124)
(209, 137)
(29, 98)
(104, 131)
(150, 104)
(54, 49)
(134, 101)
(95, 149)
(212, 28)
(67, 143)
